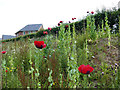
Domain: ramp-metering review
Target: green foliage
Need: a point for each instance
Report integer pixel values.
(107, 29)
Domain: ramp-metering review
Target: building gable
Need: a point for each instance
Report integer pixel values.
(30, 27)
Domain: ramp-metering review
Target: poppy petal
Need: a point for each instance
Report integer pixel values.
(44, 45)
(39, 44)
(85, 69)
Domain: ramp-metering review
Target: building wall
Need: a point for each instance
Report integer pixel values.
(20, 33)
(40, 27)
(26, 32)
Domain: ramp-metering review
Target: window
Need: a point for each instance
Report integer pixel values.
(33, 31)
(23, 33)
(29, 32)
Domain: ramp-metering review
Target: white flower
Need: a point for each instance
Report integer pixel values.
(93, 56)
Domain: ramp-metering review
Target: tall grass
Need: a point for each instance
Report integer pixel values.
(56, 65)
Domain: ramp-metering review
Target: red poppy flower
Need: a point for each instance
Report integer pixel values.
(58, 24)
(3, 42)
(45, 32)
(72, 18)
(43, 56)
(85, 69)
(39, 44)
(66, 26)
(49, 28)
(61, 21)
(92, 12)
(3, 52)
(6, 71)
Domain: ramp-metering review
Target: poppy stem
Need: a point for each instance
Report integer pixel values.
(6, 78)
(85, 83)
(6, 73)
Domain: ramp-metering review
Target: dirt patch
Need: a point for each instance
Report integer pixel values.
(104, 53)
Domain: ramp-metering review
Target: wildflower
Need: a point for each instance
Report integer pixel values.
(3, 42)
(7, 68)
(66, 26)
(53, 83)
(61, 21)
(3, 52)
(115, 70)
(87, 11)
(92, 12)
(6, 71)
(49, 28)
(45, 32)
(58, 24)
(85, 69)
(93, 56)
(10, 70)
(43, 56)
(39, 44)
(73, 18)
(116, 64)
(102, 73)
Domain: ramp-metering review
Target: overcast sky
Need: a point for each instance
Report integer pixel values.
(15, 14)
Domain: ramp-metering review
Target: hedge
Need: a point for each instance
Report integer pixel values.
(113, 18)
